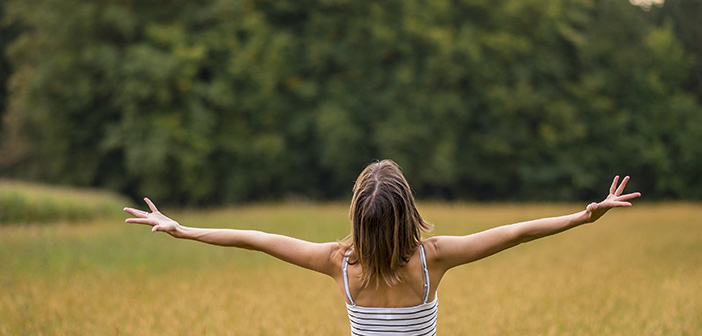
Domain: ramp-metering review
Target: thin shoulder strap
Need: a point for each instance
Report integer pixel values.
(426, 274)
(344, 272)
(345, 275)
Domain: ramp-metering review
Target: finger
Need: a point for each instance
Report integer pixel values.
(151, 204)
(622, 186)
(155, 228)
(615, 203)
(136, 212)
(629, 196)
(613, 187)
(140, 221)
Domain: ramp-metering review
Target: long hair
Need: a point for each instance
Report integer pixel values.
(386, 226)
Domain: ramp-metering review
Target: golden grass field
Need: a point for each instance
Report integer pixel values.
(638, 271)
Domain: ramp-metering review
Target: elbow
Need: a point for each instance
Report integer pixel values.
(254, 240)
(518, 236)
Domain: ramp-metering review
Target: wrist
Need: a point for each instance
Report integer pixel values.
(583, 217)
(180, 231)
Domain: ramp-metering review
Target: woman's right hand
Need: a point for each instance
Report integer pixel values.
(615, 199)
(155, 218)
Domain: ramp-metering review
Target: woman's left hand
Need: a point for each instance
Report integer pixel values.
(155, 218)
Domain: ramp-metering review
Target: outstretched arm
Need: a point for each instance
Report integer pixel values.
(453, 251)
(313, 256)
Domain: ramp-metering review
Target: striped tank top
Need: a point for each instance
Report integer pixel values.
(370, 321)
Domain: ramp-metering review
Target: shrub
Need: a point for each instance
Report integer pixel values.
(23, 202)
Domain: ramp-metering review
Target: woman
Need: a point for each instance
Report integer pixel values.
(386, 272)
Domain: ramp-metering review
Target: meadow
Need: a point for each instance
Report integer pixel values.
(636, 272)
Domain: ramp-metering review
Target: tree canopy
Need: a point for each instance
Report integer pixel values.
(220, 101)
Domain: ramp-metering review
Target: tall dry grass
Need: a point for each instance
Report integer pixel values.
(636, 272)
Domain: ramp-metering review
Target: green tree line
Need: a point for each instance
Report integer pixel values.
(220, 101)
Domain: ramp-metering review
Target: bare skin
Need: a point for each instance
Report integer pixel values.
(443, 252)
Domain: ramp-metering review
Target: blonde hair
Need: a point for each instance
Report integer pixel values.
(386, 226)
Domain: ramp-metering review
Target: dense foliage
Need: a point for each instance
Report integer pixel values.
(219, 101)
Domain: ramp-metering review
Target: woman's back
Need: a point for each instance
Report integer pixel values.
(409, 292)
(401, 309)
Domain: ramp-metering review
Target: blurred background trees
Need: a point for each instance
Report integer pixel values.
(220, 101)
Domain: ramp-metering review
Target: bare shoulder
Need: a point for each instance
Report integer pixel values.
(442, 249)
(435, 259)
(336, 254)
(431, 247)
(336, 250)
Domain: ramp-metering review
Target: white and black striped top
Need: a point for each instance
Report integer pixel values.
(372, 321)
